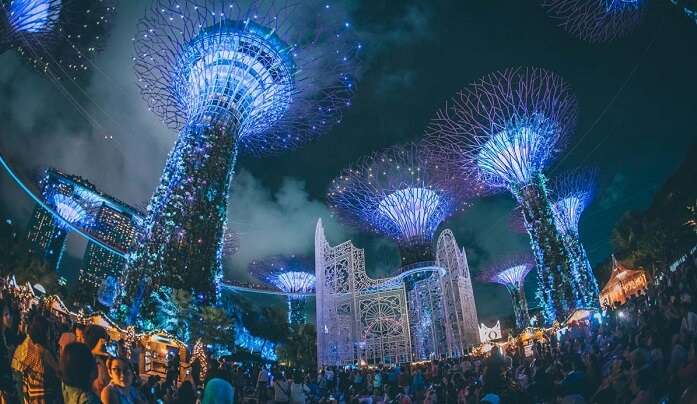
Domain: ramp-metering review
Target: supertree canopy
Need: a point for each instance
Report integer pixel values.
(402, 193)
(572, 192)
(259, 78)
(596, 20)
(511, 273)
(56, 36)
(505, 129)
(291, 275)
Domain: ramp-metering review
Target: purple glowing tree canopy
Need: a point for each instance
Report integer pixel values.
(509, 272)
(596, 20)
(402, 193)
(572, 192)
(56, 36)
(276, 72)
(289, 274)
(506, 127)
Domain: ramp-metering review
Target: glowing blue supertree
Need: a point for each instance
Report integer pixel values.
(596, 20)
(56, 36)
(291, 275)
(505, 129)
(262, 77)
(511, 273)
(401, 193)
(571, 193)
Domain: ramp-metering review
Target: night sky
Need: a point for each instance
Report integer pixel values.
(636, 102)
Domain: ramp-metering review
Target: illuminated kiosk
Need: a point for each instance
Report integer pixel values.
(360, 319)
(622, 285)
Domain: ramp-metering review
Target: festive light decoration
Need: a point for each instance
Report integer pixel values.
(291, 275)
(572, 192)
(402, 193)
(258, 78)
(505, 129)
(511, 273)
(56, 36)
(231, 243)
(199, 352)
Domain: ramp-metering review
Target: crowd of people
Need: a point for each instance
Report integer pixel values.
(642, 352)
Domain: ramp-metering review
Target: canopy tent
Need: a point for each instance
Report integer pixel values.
(623, 284)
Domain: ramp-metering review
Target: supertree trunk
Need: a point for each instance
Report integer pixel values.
(296, 311)
(588, 289)
(520, 307)
(558, 283)
(180, 246)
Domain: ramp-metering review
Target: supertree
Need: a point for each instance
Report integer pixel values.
(402, 193)
(511, 273)
(56, 36)
(598, 21)
(505, 129)
(571, 193)
(291, 275)
(262, 77)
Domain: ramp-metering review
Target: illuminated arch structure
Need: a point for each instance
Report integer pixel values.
(56, 37)
(365, 319)
(258, 78)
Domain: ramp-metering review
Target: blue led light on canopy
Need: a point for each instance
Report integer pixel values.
(402, 193)
(280, 72)
(510, 272)
(294, 282)
(596, 20)
(34, 16)
(572, 192)
(56, 37)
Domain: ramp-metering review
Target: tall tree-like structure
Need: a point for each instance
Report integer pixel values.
(571, 194)
(505, 129)
(596, 20)
(402, 193)
(259, 78)
(291, 275)
(56, 36)
(511, 273)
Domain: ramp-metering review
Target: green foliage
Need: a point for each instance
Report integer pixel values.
(299, 348)
(16, 260)
(654, 238)
(214, 326)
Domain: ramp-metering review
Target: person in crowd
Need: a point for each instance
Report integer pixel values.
(77, 370)
(8, 392)
(299, 390)
(281, 388)
(36, 364)
(218, 391)
(185, 393)
(263, 382)
(96, 339)
(120, 389)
